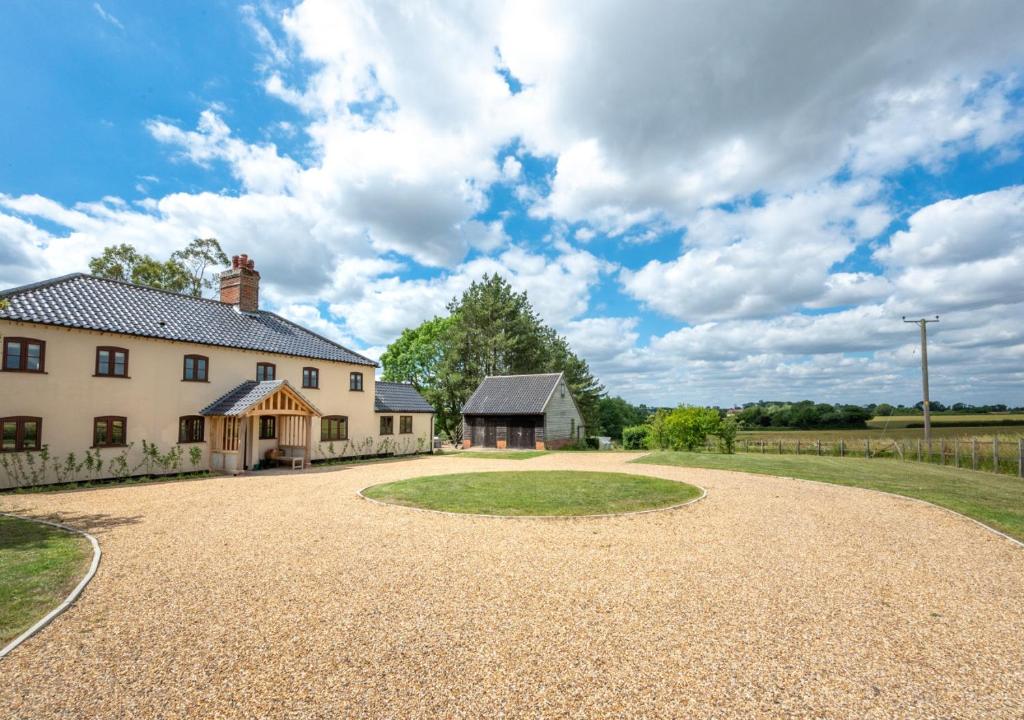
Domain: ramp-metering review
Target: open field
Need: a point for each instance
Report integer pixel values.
(39, 566)
(950, 419)
(287, 595)
(995, 500)
(535, 493)
(938, 431)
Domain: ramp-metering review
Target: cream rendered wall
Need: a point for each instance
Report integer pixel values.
(67, 397)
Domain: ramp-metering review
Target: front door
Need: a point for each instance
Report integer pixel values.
(490, 432)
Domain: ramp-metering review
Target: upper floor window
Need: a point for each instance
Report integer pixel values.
(190, 429)
(265, 371)
(387, 424)
(24, 355)
(405, 424)
(111, 362)
(268, 427)
(196, 368)
(355, 381)
(310, 377)
(109, 431)
(333, 427)
(20, 433)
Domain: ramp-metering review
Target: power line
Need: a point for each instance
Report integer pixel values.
(923, 324)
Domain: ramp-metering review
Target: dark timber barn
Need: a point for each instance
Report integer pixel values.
(521, 411)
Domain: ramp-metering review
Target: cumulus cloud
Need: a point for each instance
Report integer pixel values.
(766, 138)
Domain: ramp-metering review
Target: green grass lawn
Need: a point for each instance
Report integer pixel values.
(535, 493)
(501, 454)
(996, 500)
(39, 566)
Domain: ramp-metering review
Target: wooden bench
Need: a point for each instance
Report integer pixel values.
(280, 456)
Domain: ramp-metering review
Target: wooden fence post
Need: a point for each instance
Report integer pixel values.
(942, 451)
(919, 450)
(1020, 458)
(818, 446)
(995, 453)
(974, 453)
(903, 455)
(867, 449)
(762, 447)
(797, 447)
(842, 450)
(956, 452)
(780, 447)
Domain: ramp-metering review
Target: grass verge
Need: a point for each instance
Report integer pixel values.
(39, 566)
(535, 493)
(996, 500)
(502, 454)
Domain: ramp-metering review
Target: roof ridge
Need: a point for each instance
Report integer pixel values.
(374, 363)
(523, 375)
(41, 284)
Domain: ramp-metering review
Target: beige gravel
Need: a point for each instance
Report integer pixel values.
(289, 596)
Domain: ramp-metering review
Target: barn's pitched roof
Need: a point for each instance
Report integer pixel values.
(512, 395)
(247, 395)
(92, 303)
(399, 397)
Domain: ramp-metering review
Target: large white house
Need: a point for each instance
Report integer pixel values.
(138, 380)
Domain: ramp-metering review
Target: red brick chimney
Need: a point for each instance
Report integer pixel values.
(240, 286)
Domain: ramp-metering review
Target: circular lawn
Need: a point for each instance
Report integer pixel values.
(547, 493)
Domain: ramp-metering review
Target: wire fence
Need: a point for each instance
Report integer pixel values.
(990, 453)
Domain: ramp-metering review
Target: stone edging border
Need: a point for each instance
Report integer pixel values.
(48, 618)
(667, 508)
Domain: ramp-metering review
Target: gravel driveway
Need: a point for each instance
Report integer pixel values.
(288, 596)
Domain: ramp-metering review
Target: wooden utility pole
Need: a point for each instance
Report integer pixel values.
(923, 323)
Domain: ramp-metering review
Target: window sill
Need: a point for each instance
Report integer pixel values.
(15, 450)
(195, 381)
(310, 387)
(102, 447)
(25, 372)
(354, 390)
(191, 442)
(116, 377)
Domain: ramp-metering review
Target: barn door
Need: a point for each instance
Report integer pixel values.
(490, 432)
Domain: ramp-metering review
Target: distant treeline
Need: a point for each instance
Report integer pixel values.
(808, 415)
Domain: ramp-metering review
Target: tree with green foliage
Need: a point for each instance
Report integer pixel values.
(685, 428)
(197, 257)
(490, 330)
(615, 414)
(184, 272)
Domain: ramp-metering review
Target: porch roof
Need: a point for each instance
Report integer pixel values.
(250, 394)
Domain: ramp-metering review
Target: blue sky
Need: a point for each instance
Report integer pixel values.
(714, 207)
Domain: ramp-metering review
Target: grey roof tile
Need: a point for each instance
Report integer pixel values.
(91, 303)
(399, 397)
(512, 395)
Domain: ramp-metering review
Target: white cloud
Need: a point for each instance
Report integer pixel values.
(109, 17)
(734, 127)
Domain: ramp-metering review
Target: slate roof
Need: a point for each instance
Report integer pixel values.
(399, 397)
(512, 395)
(92, 303)
(245, 396)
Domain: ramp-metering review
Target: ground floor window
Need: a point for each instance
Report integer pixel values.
(387, 424)
(405, 424)
(20, 433)
(109, 431)
(333, 427)
(190, 429)
(268, 427)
